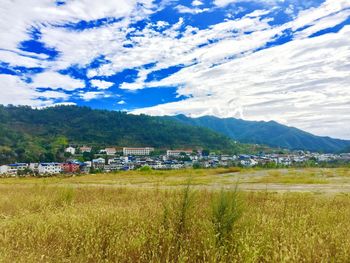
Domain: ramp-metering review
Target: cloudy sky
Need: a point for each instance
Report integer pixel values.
(282, 60)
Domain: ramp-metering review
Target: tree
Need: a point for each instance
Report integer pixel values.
(6, 155)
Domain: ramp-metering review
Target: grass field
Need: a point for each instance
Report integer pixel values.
(178, 216)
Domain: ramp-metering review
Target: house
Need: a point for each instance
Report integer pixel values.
(98, 163)
(88, 164)
(157, 165)
(34, 167)
(109, 151)
(116, 166)
(70, 167)
(85, 149)
(176, 166)
(4, 169)
(176, 153)
(84, 168)
(49, 168)
(70, 150)
(248, 162)
(284, 160)
(137, 151)
(12, 169)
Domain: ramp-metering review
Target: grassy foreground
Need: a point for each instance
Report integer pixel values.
(60, 223)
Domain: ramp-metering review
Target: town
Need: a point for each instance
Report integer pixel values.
(122, 159)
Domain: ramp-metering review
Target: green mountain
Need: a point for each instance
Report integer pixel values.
(269, 133)
(28, 134)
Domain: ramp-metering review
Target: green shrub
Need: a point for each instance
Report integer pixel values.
(145, 168)
(226, 210)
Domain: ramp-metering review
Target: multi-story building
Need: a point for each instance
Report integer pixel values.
(49, 168)
(4, 169)
(12, 169)
(98, 163)
(85, 149)
(109, 151)
(137, 151)
(33, 167)
(70, 167)
(176, 153)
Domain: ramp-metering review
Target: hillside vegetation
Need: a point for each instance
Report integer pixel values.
(269, 133)
(28, 134)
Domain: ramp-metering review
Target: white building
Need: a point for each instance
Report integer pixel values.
(98, 163)
(176, 153)
(49, 168)
(88, 164)
(70, 150)
(137, 151)
(34, 167)
(249, 162)
(4, 169)
(85, 149)
(12, 169)
(99, 160)
(109, 151)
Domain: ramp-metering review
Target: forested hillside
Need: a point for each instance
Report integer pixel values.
(269, 133)
(28, 134)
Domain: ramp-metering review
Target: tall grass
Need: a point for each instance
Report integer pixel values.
(65, 196)
(227, 209)
(54, 223)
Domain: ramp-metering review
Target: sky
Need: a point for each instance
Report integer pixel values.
(282, 60)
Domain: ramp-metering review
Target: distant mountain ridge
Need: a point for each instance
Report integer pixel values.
(269, 133)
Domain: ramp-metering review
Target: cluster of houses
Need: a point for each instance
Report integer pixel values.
(118, 159)
(293, 158)
(43, 168)
(110, 159)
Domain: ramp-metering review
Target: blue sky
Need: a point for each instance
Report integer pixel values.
(282, 60)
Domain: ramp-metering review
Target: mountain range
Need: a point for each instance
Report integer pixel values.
(28, 134)
(269, 133)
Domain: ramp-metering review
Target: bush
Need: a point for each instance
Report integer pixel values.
(227, 209)
(145, 168)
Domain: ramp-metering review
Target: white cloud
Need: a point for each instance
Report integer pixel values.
(197, 3)
(313, 15)
(15, 91)
(101, 84)
(91, 95)
(184, 9)
(55, 80)
(21, 14)
(258, 13)
(302, 83)
(15, 59)
(328, 21)
(51, 94)
(223, 3)
(121, 102)
(44, 15)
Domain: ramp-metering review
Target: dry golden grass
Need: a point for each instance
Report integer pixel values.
(55, 223)
(128, 177)
(293, 177)
(200, 177)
